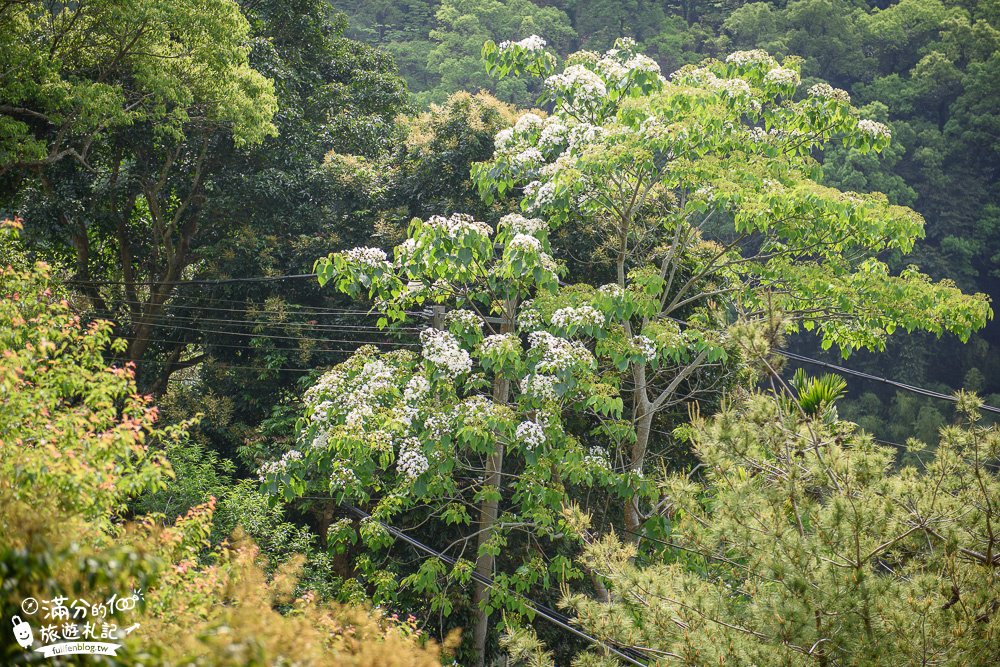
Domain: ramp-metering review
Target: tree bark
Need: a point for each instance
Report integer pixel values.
(488, 512)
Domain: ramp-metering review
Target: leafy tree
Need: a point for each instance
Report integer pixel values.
(464, 25)
(77, 72)
(701, 193)
(77, 442)
(71, 429)
(479, 434)
(844, 559)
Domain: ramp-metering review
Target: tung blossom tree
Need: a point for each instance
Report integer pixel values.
(699, 197)
(487, 434)
(703, 193)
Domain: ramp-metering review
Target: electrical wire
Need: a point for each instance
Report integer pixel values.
(218, 281)
(630, 655)
(789, 355)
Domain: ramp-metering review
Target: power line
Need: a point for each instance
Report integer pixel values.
(290, 309)
(149, 319)
(875, 378)
(250, 348)
(218, 281)
(630, 655)
(789, 355)
(276, 337)
(228, 366)
(867, 376)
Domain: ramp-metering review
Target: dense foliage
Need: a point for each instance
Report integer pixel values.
(76, 442)
(843, 559)
(926, 68)
(566, 249)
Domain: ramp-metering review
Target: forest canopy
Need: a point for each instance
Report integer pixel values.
(500, 332)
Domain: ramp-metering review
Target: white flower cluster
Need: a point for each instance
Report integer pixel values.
(371, 257)
(321, 441)
(542, 387)
(580, 316)
(735, 87)
(441, 348)
(528, 122)
(553, 135)
(532, 43)
(827, 92)
(355, 398)
(411, 462)
(611, 68)
(343, 477)
(458, 224)
(540, 194)
(279, 466)
(584, 133)
(586, 85)
(646, 346)
(597, 457)
(525, 243)
(754, 57)
(782, 76)
(504, 139)
(437, 426)
(416, 389)
(466, 320)
(518, 224)
(874, 128)
(613, 290)
(531, 434)
(497, 344)
(529, 318)
(558, 354)
(642, 63)
(529, 157)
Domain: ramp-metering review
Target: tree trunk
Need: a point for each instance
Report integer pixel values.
(488, 512)
(643, 426)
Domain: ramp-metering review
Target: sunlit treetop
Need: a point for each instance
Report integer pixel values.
(723, 151)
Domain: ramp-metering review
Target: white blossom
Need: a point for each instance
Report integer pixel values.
(613, 290)
(597, 457)
(531, 434)
(577, 316)
(542, 387)
(642, 63)
(442, 349)
(754, 57)
(528, 157)
(586, 85)
(518, 224)
(504, 138)
(529, 122)
(496, 344)
(343, 477)
(553, 135)
(531, 43)
(416, 389)
(458, 224)
(646, 346)
(279, 466)
(412, 462)
(370, 257)
(558, 354)
(525, 243)
(874, 128)
(465, 319)
(828, 92)
(782, 76)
